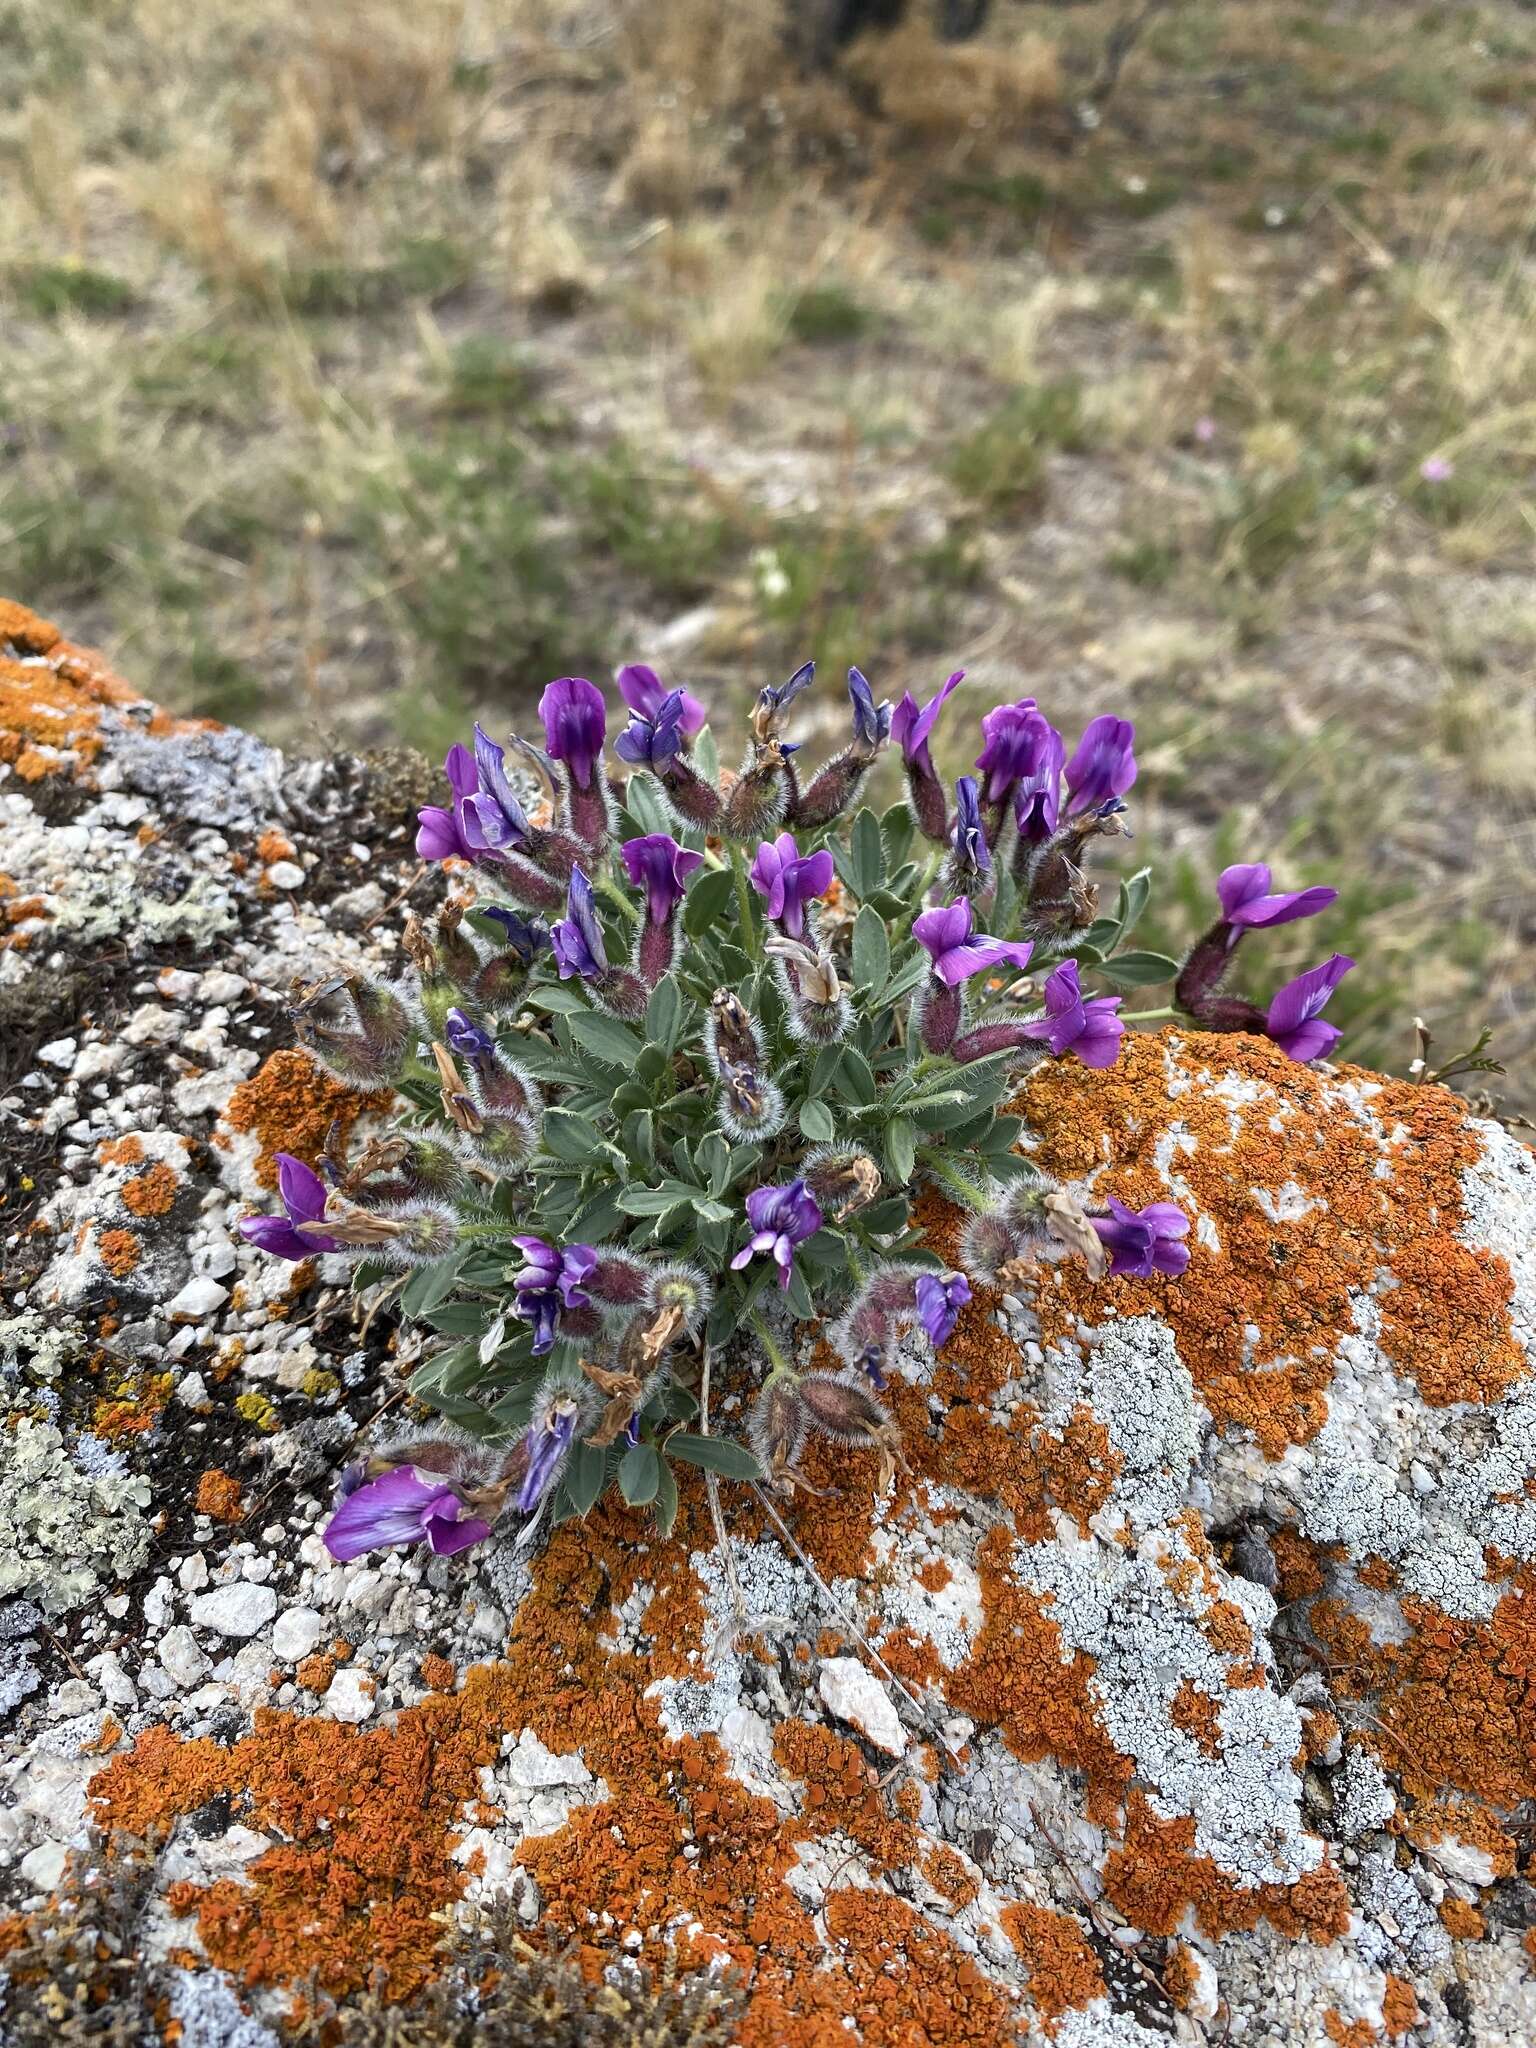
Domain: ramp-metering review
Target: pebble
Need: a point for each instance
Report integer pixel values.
(192, 1391)
(73, 1697)
(285, 874)
(58, 1052)
(180, 1657)
(295, 1633)
(193, 1572)
(44, 1865)
(116, 1686)
(200, 1297)
(239, 1610)
(150, 1024)
(347, 1697)
(855, 1696)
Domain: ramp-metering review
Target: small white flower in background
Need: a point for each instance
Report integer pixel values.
(769, 572)
(1274, 216)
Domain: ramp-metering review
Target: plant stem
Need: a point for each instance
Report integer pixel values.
(744, 901)
(1149, 1016)
(782, 1369)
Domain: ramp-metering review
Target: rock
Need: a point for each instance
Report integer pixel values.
(43, 1866)
(199, 1298)
(285, 874)
(854, 1696)
(181, 1658)
(240, 1610)
(350, 1695)
(296, 1632)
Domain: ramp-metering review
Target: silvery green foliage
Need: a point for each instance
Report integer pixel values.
(700, 1106)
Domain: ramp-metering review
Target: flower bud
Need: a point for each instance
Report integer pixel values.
(367, 1049)
(842, 1178)
(759, 796)
(776, 1430)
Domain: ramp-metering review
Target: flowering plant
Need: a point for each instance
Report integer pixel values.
(670, 1078)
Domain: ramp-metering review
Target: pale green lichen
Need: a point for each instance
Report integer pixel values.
(37, 1344)
(63, 1533)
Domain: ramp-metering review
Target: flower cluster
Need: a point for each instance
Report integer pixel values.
(671, 1072)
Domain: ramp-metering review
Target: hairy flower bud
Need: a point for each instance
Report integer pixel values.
(759, 797)
(776, 1430)
(369, 1048)
(843, 1179)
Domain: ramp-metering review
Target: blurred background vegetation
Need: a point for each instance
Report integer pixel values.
(368, 363)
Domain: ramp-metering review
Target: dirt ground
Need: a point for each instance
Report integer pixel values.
(366, 365)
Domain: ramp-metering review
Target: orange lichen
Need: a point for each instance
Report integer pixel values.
(1462, 1820)
(438, 1672)
(51, 695)
(1399, 2006)
(934, 1575)
(1455, 1704)
(1016, 1679)
(1155, 1874)
(132, 1404)
(220, 1497)
(1198, 1715)
(949, 1875)
(1347, 2033)
(151, 1193)
(120, 1151)
(274, 845)
(1064, 1972)
(1258, 1320)
(119, 1252)
(1461, 1920)
(290, 1104)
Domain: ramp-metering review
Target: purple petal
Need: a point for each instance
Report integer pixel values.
(644, 692)
(437, 835)
(450, 1534)
(393, 1508)
(277, 1236)
(1300, 1000)
(301, 1188)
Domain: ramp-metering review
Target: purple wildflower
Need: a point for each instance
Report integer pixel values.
(912, 728)
(466, 1037)
(575, 725)
(303, 1198)
(549, 1444)
(1145, 1241)
(787, 880)
(1437, 469)
(968, 839)
(1246, 901)
(525, 936)
(957, 951)
(406, 1505)
(1016, 741)
(939, 1302)
(662, 867)
(1103, 766)
(548, 1281)
(1037, 793)
(650, 740)
(1294, 1022)
(775, 698)
(577, 938)
(492, 817)
(781, 1218)
(1088, 1027)
(439, 830)
(645, 693)
(871, 722)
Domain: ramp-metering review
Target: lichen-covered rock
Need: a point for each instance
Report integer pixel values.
(1182, 1688)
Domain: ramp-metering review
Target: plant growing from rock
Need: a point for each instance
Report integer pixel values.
(671, 1077)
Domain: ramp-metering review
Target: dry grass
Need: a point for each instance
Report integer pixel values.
(370, 361)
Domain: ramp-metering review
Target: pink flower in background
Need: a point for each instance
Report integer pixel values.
(1438, 469)
(1205, 429)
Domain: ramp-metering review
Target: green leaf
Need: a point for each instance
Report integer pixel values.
(585, 1472)
(816, 1123)
(906, 978)
(639, 1136)
(708, 898)
(460, 1318)
(798, 1296)
(866, 854)
(570, 1138)
(1138, 970)
(558, 1000)
(664, 1013)
(855, 1080)
(639, 1475)
(896, 829)
(429, 1285)
(871, 952)
(706, 755)
(715, 1454)
(1133, 899)
(596, 1220)
(643, 801)
(900, 1147)
(643, 1201)
(665, 1505)
(606, 1039)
